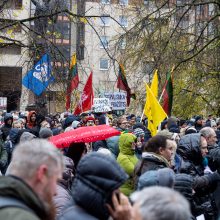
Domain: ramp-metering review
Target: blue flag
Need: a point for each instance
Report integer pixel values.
(40, 76)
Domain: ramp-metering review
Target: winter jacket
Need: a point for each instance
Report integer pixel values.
(3, 157)
(149, 161)
(192, 163)
(112, 144)
(13, 139)
(97, 176)
(6, 127)
(63, 196)
(127, 160)
(11, 186)
(189, 150)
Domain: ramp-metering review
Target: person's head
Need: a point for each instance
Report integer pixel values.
(160, 203)
(123, 123)
(213, 125)
(76, 124)
(40, 165)
(90, 121)
(8, 119)
(203, 146)
(97, 177)
(210, 135)
(160, 145)
(17, 124)
(33, 117)
(76, 151)
(198, 120)
(161, 177)
(127, 143)
(45, 133)
(192, 147)
(45, 124)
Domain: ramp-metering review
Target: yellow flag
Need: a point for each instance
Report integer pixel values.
(154, 84)
(154, 89)
(154, 111)
(73, 61)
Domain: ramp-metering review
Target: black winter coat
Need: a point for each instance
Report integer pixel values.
(97, 176)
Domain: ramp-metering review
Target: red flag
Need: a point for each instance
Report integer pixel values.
(74, 80)
(86, 100)
(168, 94)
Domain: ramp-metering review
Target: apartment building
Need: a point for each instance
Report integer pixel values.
(12, 55)
(21, 47)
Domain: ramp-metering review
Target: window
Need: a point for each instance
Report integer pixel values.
(211, 29)
(12, 49)
(123, 2)
(103, 64)
(199, 10)
(12, 29)
(105, 21)
(14, 4)
(123, 21)
(105, 1)
(122, 43)
(179, 2)
(146, 2)
(104, 42)
(211, 9)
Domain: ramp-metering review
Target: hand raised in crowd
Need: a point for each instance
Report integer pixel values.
(121, 208)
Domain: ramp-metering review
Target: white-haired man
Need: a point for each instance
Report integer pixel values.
(209, 134)
(159, 203)
(27, 190)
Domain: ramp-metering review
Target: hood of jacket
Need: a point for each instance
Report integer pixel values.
(7, 117)
(29, 122)
(14, 135)
(125, 142)
(11, 186)
(162, 177)
(97, 176)
(189, 148)
(27, 136)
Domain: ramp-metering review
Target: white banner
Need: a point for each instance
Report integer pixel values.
(3, 103)
(101, 105)
(118, 100)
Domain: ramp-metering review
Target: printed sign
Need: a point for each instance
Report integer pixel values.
(3, 103)
(118, 100)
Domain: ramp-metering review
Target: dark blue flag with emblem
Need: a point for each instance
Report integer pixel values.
(38, 79)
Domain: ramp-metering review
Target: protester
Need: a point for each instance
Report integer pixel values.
(63, 196)
(209, 134)
(8, 120)
(45, 133)
(157, 154)
(97, 177)
(127, 160)
(3, 155)
(27, 190)
(160, 203)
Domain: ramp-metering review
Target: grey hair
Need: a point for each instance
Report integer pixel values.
(28, 156)
(207, 132)
(161, 203)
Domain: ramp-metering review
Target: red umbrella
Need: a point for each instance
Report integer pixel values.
(84, 134)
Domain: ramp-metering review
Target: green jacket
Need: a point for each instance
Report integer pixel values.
(14, 187)
(127, 160)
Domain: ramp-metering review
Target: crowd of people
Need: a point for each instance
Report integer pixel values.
(173, 175)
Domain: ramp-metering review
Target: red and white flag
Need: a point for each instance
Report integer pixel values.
(86, 99)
